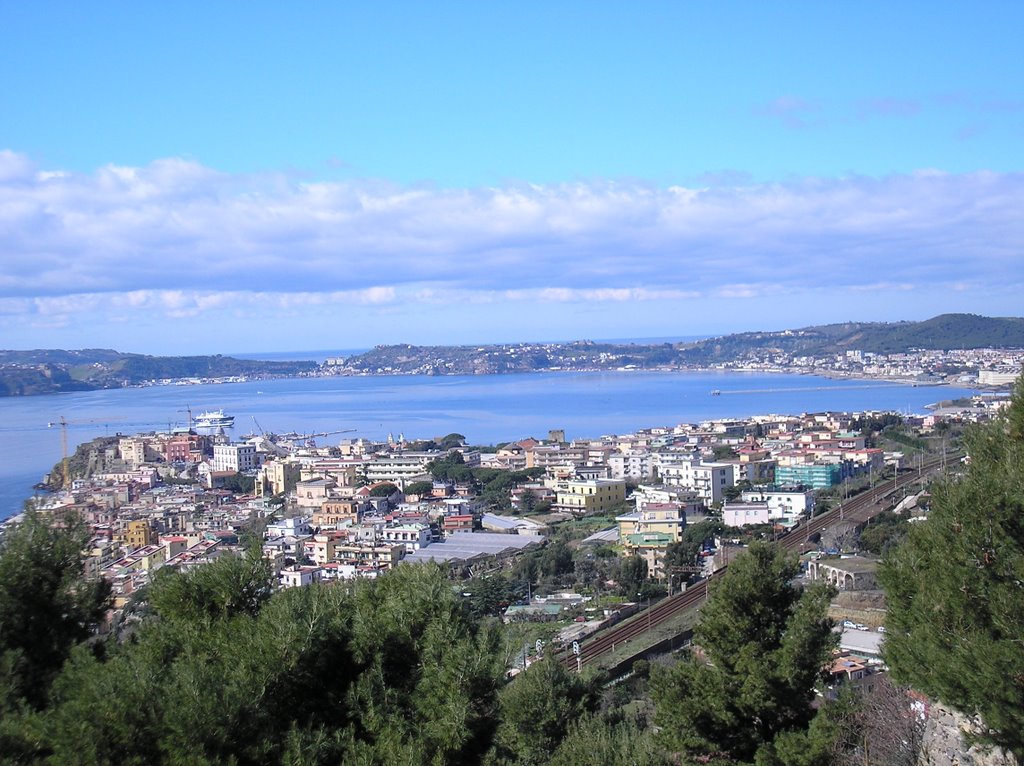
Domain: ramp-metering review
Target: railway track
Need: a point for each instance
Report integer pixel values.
(858, 509)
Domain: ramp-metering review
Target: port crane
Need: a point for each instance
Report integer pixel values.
(310, 439)
(188, 409)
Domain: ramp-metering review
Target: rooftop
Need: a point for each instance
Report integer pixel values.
(463, 546)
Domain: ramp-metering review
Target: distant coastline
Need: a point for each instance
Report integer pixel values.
(950, 349)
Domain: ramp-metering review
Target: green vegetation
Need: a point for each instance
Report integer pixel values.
(766, 643)
(385, 489)
(45, 607)
(419, 488)
(884, 532)
(956, 603)
(493, 484)
(216, 666)
(240, 483)
(23, 373)
(686, 553)
(948, 331)
(386, 672)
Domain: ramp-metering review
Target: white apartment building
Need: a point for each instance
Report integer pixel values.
(710, 480)
(399, 468)
(782, 504)
(631, 464)
(744, 514)
(235, 457)
(412, 536)
(997, 377)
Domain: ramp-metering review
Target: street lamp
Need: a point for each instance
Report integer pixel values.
(640, 596)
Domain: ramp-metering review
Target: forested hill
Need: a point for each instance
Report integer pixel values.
(945, 332)
(50, 371)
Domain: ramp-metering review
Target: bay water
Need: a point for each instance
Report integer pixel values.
(487, 409)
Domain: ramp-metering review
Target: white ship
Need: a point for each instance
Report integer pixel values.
(213, 419)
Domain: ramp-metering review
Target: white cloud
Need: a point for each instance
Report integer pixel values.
(183, 240)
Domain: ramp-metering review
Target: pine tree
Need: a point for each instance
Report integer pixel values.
(764, 643)
(46, 608)
(955, 587)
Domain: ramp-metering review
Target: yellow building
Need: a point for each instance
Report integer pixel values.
(336, 513)
(592, 496)
(651, 547)
(666, 519)
(649, 531)
(279, 477)
(138, 534)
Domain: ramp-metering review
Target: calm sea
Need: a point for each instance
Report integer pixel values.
(486, 408)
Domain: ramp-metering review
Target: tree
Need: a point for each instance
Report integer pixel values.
(381, 672)
(536, 711)
(556, 559)
(453, 440)
(632, 576)
(528, 501)
(46, 608)
(386, 489)
(766, 643)
(420, 488)
(240, 483)
(956, 602)
(597, 742)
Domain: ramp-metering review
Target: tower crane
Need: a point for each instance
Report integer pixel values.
(64, 423)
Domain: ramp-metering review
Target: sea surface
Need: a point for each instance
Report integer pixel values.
(487, 409)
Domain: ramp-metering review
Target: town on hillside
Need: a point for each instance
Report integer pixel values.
(587, 528)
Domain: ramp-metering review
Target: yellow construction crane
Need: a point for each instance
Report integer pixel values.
(64, 423)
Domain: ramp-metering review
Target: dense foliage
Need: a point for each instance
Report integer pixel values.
(45, 606)
(954, 587)
(492, 484)
(385, 672)
(764, 645)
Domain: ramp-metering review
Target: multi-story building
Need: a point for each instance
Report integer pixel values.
(710, 480)
(745, 514)
(810, 475)
(237, 457)
(381, 555)
(651, 547)
(136, 451)
(412, 536)
(313, 493)
(185, 448)
(337, 513)
(590, 496)
(668, 519)
(785, 504)
(278, 477)
(635, 464)
(399, 468)
(138, 534)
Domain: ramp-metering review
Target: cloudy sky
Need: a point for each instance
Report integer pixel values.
(268, 177)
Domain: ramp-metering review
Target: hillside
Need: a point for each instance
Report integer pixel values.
(25, 373)
(945, 332)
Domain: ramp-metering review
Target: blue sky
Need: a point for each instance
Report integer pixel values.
(187, 178)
